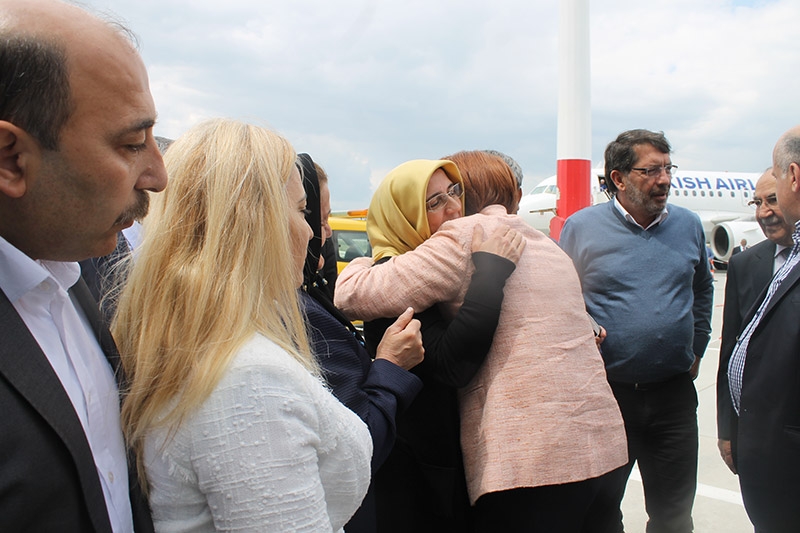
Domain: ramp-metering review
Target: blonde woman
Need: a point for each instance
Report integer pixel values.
(231, 425)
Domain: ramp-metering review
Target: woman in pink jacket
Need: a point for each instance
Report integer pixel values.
(539, 423)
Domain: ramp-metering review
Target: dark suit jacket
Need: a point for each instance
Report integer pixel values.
(48, 479)
(766, 435)
(748, 274)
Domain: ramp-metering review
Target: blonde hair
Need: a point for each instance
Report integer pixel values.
(215, 267)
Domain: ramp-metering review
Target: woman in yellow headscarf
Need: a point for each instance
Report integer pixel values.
(539, 423)
(421, 486)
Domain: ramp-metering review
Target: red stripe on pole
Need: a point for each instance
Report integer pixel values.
(574, 191)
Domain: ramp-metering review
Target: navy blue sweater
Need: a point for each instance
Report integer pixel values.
(651, 289)
(377, 391)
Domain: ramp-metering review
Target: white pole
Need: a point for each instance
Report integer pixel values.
(574, 148)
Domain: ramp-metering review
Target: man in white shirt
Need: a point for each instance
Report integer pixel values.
(77, 159)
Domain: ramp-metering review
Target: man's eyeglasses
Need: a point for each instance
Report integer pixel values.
(770, 202)
(439, 200)
(654, 172)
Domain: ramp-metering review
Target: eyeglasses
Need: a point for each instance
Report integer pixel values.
(439, 200)
(654, 172)
(770, 201)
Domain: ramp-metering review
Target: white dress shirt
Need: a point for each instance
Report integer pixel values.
(38, 290)
(781, 253)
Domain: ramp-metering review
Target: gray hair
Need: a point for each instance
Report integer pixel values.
(163, 143)
(511, 162)
(787, 151)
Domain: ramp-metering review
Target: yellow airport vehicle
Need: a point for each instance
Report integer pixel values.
(349, 237)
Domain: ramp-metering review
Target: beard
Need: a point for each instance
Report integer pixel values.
(644, 200)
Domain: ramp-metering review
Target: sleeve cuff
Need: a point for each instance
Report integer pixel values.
(400, 382)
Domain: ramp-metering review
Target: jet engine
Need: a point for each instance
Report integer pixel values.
(726, 236)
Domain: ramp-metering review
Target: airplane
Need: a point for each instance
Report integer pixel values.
(720, 199)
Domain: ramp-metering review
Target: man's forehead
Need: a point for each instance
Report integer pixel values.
(111, 80)
(648, 150)
(765, 186)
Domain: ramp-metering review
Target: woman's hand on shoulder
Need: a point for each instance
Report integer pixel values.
(504, 241)
(402, 342)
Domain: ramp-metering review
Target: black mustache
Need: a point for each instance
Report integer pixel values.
(135, 212)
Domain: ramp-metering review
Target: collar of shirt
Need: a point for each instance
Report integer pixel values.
(781, 253)
(662, 216)
(20, 273)
(778, 249)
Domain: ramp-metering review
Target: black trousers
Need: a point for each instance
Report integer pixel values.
(661, 425)
(552, 508)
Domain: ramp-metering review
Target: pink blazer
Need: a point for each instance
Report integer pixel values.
(540, 410)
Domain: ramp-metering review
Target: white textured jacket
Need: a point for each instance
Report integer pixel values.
(270, 450)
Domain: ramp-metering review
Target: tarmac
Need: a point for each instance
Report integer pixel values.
(718, 504)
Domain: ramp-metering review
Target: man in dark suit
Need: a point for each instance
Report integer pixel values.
(739, 249)
(77, 157)
(764, 375)
(748, 274)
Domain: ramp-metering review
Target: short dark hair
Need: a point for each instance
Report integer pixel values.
(35, 93)
(620, 154)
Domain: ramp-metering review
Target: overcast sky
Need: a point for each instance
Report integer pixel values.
(364, 85)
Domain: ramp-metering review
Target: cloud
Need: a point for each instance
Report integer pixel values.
(364, 85)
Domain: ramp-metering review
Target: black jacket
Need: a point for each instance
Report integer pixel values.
(48, 479)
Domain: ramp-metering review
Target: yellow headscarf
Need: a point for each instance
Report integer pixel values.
(397, 221)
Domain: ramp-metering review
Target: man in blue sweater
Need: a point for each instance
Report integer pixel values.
(646, 279)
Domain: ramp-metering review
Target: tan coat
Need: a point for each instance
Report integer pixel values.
(540, 410)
